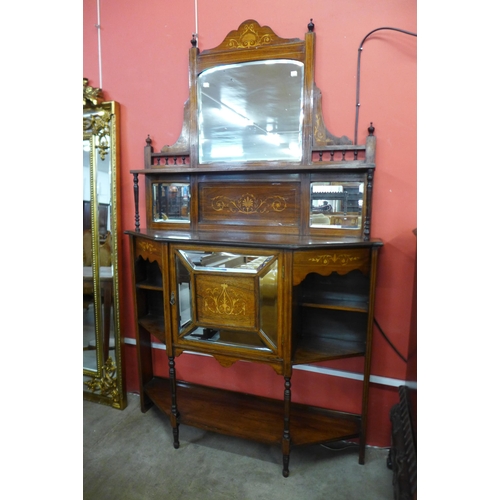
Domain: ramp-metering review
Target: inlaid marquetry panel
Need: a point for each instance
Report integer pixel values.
(269, 204)
(225, 301)
(327, 261)
(148, 249)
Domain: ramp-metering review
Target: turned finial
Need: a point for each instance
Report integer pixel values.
(193, 40)
(371, 129)
(310, 26)
(148, 140)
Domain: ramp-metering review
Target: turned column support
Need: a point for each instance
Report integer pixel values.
(174, 415)
(136, 201)
(286, 427)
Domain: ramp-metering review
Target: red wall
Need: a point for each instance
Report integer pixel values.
(144, 49)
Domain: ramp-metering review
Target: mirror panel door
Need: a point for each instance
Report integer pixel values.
(227, 298)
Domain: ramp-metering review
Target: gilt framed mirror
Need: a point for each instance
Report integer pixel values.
(102, 343)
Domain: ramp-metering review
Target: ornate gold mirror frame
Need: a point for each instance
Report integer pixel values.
(102, 342)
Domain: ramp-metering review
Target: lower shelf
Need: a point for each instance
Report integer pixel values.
(155, 325)
(252, 417)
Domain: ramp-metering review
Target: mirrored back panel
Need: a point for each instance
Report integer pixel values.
(171, 201)
(337, 204)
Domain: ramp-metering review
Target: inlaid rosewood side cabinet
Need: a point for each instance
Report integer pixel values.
(257, 242)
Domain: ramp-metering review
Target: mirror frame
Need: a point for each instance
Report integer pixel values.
(249, 43)
(101, 126)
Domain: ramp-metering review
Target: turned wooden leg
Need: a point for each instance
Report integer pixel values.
(136, 201)
(285, 446)
(174, 414)
(364, 412)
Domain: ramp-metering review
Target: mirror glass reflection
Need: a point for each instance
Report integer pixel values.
(337, 204)
(268, 288)
(171, 202)
(184, 295)
(98, 294)
(89, 320)
(214, 261)
(244, 116)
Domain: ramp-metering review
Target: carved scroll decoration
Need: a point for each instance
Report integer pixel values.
(99, 125)
(249, 35)
(322, 137)
(249, 204)
(106, 385)
(91, 96)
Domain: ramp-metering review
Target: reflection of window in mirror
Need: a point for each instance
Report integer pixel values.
(337, 204)
(251, 111)
(171, 202)
(235, 262)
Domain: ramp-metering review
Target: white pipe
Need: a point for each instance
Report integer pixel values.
(196, 18)
(374, 379)
(98, 26)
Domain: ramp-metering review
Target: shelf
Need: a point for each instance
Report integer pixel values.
(155, 325)
(354, 306)
(348, 292)
(148, 274)
(251, 417)
(150, 286)
(313, 349)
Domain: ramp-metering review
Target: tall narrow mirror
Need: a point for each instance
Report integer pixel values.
(102, 364)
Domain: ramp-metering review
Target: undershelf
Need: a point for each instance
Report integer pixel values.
(316, 348)
(251, 417)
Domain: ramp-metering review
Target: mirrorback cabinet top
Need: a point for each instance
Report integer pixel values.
(254, 110)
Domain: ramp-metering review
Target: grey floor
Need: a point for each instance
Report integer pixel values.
(128, 455)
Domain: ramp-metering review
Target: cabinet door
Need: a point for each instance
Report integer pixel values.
(227, 300)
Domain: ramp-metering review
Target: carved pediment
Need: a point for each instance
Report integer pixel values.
(249, 35)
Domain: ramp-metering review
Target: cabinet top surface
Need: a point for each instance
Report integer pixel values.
(286, 241)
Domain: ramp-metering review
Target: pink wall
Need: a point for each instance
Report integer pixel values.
(144, 48)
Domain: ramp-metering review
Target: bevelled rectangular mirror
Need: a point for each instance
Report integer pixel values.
(244, 116)
(337, 204)
(171, 201)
